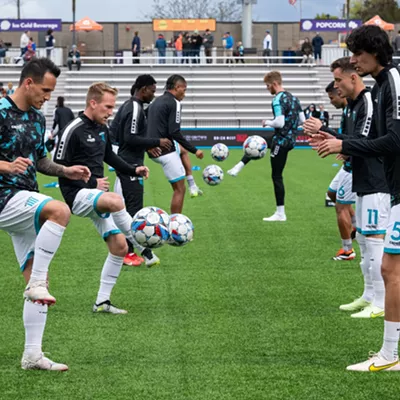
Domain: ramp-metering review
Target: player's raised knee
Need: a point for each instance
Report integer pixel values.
(56, 211)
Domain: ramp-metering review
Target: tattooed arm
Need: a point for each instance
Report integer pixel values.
(76, 172)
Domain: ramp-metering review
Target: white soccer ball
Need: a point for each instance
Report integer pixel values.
(180, 230)
(150, 227)
(255, 147)
(219, 152)
(213, 175)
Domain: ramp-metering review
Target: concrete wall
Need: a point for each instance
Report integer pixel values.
(118, 36)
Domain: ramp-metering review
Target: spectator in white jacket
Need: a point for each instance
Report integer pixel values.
(267, 46)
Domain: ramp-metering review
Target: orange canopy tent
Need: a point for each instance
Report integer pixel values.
(377, 20)
(86, 24)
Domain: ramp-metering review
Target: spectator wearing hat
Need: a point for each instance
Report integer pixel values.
(161, 46)
(228, 43)
(196, 41)
(267, 46)
(74, 57)
(208, 42)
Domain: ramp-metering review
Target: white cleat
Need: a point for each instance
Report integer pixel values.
(37, 292)
(195, 191)
(234, 171)
(375, 363)
(356, 305)
(41, 362)
(150, 262)
(370, 312)
(108, 308)
(276, 217)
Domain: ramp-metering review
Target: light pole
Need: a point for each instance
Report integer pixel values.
(73, 21)
(18, 9)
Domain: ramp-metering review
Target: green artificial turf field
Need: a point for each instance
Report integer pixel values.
(248, 310)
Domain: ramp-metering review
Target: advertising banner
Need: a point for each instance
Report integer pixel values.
(326, 25)
(10, 25)
(184, 25)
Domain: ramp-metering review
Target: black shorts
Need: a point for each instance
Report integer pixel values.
(132, 191)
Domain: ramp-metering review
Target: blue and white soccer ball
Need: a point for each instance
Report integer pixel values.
(180, 230)
(255, 147)
(219, 152)
(150, 227)
(213, 175)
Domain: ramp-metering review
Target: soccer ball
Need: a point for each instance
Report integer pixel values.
(150, 227)
(219, 152)
(255, 147)
(213, 175)
(180, 230)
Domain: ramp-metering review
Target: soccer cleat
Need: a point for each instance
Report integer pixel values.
(133, 260)
(107, 307)
(276, 217)
(375, 363)
(370, 312)
(41, 362)
(234, 171)
(151, 261)
(37, 292)
(345, 255)
(356, 305)
(195, 191)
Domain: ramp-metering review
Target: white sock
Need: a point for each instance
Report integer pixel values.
(347, 244)
(239, 166)
(47, 242)
(280, 210)
(190, 181)
(375, 252)
(368, 294)
(124, 221)
(109, 275)
(34, 317)
(391, 338)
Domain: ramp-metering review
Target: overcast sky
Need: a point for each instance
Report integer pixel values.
(134, 10)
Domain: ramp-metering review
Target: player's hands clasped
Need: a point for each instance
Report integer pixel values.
(77, 173)
(143, 171)
(19, 165)
(199, 154)
(103, 184)
(155, 152)
(165, 144)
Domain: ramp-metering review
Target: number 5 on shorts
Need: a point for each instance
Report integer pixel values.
(396, 228)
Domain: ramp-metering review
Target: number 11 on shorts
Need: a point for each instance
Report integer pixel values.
(372, 215)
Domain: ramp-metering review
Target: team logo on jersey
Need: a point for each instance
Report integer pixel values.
(102, 136)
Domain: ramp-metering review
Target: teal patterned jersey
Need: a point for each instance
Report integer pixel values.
(284, 103)
(21, 135)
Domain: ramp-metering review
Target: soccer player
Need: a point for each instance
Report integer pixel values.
(372, 55)
(340, 189)
(373, 199)
(132, 140)
(35, 222)
(164, 121)
(86, 141)
(288, 115)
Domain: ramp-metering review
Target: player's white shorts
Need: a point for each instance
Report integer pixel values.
(85, 206)
(392, 239)
(372, 213)
(20, 219)
(342, 185)
(172, 166)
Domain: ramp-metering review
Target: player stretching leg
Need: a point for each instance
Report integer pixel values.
(164, 121)
(130, 130)
(86, 141)
(288, 115)
(340, 189)
(372, 55)
(35, 222)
